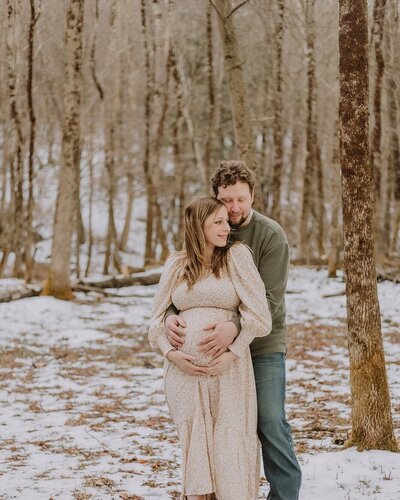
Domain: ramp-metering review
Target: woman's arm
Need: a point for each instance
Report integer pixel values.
(255, 315)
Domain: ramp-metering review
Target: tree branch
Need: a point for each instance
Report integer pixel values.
(218, 11)
(235, 9)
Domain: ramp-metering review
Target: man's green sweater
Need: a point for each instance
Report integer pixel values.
(270, 248)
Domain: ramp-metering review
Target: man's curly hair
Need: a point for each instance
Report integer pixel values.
(230, 172)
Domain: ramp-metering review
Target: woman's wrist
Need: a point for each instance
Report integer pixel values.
(169, 355)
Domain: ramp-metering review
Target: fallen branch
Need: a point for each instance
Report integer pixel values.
(147, 279)
(87, 289)
(95, 286)
(18, 294)
(337, 294)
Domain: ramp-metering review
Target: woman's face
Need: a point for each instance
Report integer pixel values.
(216, 228)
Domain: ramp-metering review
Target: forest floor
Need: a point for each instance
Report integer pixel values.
(83, 416)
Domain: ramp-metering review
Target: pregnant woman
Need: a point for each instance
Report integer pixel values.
(212, 401)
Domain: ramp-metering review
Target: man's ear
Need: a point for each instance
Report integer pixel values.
(252, 197)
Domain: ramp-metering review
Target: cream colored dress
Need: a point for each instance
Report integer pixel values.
(215, 416)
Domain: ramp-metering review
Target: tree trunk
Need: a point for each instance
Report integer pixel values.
(111, 130)
(245, 142)
(58, 282)
(319, 199)
(90, 223)
(372, 426)
(32, 119)
(18, 141)
(278, 136)
(123, 241)
(334, 230)
(179, 165)
(149, 256)
(210, 143)
(394, 145)
(304, 247)
(376, 153)
(377, 36)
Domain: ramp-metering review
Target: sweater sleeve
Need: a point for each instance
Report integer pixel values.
(274, 270)
(253, 307)
(162, 301)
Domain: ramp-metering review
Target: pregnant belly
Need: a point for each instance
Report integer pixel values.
(196, 319)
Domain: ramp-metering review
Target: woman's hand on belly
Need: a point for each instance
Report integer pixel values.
(185, 363)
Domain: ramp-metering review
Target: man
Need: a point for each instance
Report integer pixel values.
(233, 184)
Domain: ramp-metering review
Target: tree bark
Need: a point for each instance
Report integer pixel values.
(58, 282)
(304, 239)
(34, 16)
(377, 37)
(394, 144)
(111, 131)
(376, 152)
(149, 255)
(210, 143)
(372, 426)
(18, 142)
(278, 135)
(244, 139)
(334, 230)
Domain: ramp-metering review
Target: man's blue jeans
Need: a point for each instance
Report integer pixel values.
(281, 467)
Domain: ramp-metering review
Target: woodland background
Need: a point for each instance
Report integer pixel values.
(156, 118)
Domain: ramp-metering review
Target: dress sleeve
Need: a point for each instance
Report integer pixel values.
(162, 300)
(255, 316)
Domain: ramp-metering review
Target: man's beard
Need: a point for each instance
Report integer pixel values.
(236, 226)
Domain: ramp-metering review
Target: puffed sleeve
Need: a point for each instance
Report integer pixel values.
(255, 316)
(162, 300)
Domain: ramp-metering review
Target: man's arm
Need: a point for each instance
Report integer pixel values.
(274, 270)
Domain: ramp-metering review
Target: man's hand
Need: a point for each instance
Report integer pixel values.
(185, 363)
(221, 364)
(174, 328)
(222, 335)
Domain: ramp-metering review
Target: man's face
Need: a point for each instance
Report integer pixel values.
(238, 200)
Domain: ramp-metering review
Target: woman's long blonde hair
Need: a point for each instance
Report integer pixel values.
(195, 245)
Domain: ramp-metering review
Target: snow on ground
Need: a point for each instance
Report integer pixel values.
(82, 411)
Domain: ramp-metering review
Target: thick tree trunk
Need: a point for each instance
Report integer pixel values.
(278, 135)
(245, 141)
(372, 426)
(58, 281)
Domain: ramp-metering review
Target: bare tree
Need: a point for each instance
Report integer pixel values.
(309, 171)
(16, 167)
(244, 139)
(34, 16)
(278, 134)
(376, 147)
(372, 426)
(58, 280)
